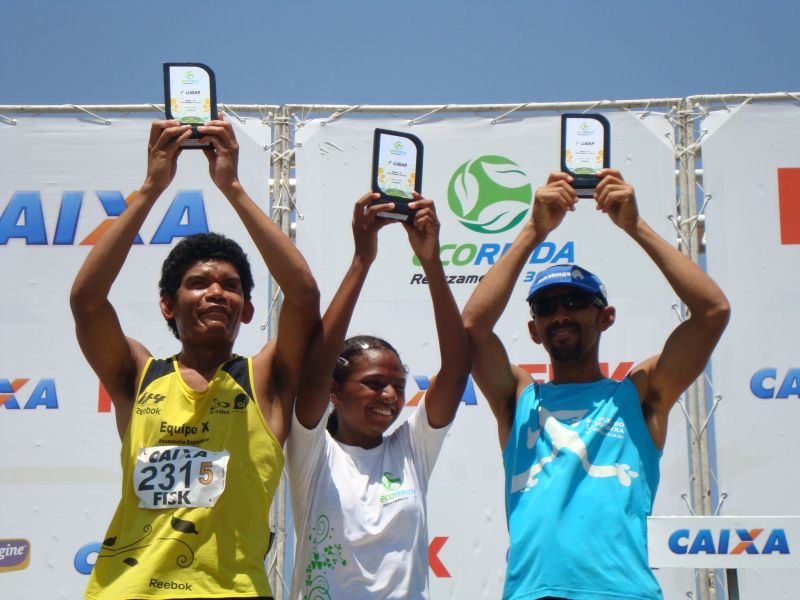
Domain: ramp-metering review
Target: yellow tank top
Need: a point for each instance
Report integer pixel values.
(199, 470)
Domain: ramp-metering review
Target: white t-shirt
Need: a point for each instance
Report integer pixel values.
(360, 514)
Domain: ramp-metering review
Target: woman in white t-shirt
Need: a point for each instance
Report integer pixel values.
(358, 496)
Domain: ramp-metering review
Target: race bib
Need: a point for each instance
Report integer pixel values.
(172, 476)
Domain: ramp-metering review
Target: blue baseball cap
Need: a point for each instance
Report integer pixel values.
(569, 275)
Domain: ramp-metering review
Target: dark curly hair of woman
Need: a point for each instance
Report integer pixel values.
(202, 247)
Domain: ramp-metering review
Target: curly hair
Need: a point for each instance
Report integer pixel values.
(353, 348)
(202, 247)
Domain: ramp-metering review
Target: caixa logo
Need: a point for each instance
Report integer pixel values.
(24, 218)
(769, 383)
(42, 394)
(729, 541)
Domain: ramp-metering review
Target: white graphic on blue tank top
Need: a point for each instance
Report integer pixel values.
(565, 437)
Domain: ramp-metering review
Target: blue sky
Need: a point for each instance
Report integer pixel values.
(400, 52)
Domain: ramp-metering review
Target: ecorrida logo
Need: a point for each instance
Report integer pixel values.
(489, 194)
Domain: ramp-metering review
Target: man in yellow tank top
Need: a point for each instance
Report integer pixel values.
(202, 432)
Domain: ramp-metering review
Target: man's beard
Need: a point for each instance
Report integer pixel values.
(561, 352)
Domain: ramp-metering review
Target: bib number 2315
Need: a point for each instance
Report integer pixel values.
(172, 476)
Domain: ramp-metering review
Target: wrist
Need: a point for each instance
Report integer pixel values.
(363, 261)
(636, 228)
(231, 188)
(533, 233)
(151, 190)
(430, 263)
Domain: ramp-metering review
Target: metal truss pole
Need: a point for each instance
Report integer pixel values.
(696, 394)
(280, 213)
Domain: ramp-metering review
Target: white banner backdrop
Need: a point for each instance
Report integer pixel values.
(482, 177)
(751, 169)
(60, 179)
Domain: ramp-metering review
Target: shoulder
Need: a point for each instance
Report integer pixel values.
(525, 384)
(240, 369)
(306, 452)
(267, 384)
(151, 370)
(418, 423)
(640, 376)
(522, 378)
(528, 393)
(620, 391)
(269, 375)
(412, 434)
(124, 382)
(302, 438)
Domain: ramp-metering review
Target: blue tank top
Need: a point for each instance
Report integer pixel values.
(581, 476)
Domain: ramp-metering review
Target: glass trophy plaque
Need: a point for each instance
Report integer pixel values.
(190, 96)
(585, 146)
(396, 171)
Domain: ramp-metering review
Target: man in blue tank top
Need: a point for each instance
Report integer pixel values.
(581, 452)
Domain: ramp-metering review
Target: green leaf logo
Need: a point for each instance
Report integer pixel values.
(391, 482)
(489, 194)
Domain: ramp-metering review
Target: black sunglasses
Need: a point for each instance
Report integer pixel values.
(544, 307)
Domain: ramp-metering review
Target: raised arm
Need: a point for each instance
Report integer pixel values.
(314, 395)
(115, 358)
(444, 394)
(499, 380)
(279, 364)
(662, 378)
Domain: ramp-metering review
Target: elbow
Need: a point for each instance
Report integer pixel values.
(305, 294)
(87, 299)
(74, 298)
(79, 298)
(469, 320)
(723, 313)
(310, 295)
(718, 314)
(475, 329)
(314, 301)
